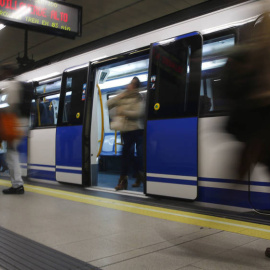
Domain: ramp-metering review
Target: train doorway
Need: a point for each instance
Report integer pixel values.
(111, 79)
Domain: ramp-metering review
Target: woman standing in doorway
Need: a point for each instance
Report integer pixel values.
(128, 118)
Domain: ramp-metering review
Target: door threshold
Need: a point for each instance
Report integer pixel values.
(120, 192)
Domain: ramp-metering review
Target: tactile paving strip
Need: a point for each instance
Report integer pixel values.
(18, 252)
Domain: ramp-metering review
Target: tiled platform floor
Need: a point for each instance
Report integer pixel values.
(117, 240)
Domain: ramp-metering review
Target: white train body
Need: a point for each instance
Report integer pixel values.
(216, 152)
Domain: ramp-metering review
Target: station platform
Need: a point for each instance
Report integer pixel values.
(56, 226)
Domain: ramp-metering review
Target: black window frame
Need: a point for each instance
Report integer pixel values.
(80, 121)
(191, 95)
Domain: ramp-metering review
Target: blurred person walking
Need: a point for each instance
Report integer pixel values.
(128, 110)
(247, 84)
(15, 112)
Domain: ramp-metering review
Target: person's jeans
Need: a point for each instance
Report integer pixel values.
(131, 138)
(14, 164)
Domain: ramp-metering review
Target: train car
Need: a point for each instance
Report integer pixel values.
(188, 155)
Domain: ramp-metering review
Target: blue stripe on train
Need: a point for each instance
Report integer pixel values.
(223, 196)
(172, 181)
(40, 174)
(233, 197)
(42, 165)
(69, 171)
(260, 201)
(220, 180)
(239, 182)
(238, 198)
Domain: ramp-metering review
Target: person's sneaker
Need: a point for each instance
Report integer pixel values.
(12, 190)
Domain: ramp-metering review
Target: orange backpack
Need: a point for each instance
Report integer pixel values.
(9, 127)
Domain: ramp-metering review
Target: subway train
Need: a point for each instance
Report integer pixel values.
(187, 153)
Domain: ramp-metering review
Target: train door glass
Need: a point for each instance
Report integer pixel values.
(172, 120)
(106, 143)
(70, 125)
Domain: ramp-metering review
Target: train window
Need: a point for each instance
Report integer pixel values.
(48, 87)
(114, 78)
(174, 71)
(74, 90)
(214, 57)
(44, 111)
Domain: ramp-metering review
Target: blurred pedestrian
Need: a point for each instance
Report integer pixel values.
(127, 117)
(15, 114)
(247, 83)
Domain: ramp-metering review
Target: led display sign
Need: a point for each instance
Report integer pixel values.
(52, 17)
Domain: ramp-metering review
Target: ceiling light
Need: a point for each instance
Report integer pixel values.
(122, 81)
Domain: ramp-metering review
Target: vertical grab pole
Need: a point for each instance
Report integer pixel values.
(102, 121)
(115, 141)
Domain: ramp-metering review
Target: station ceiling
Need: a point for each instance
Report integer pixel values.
(101, 18)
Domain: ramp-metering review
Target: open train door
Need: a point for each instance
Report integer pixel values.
(172, 118)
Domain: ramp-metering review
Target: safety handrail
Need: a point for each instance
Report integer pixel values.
(115, 141)
(44, 92)
(102, 121)
(50, 106)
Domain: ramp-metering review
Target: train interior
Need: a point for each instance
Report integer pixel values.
(112, 80)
